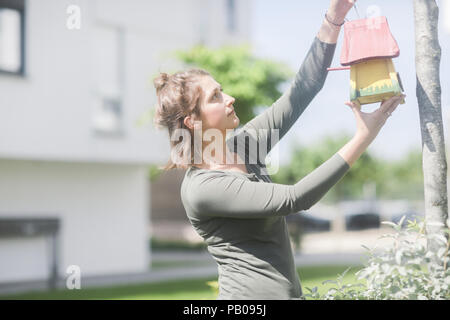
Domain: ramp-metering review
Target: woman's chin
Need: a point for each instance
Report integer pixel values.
(233, 122)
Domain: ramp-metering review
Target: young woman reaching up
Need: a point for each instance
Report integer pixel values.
(235, 206)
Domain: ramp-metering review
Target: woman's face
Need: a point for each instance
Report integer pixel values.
(217, 110)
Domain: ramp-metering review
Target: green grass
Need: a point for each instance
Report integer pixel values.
(195, 289)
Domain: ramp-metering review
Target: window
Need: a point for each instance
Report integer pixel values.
(231, 15)
(12, 35)
(108, 79)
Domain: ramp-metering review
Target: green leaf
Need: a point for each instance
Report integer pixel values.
(389, 223)
(330, 281)
(416, 266)
(400, 223)
(345, 272)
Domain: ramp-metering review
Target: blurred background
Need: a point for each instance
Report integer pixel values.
(79, 156)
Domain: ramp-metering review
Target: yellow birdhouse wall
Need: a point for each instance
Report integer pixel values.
(373, 81)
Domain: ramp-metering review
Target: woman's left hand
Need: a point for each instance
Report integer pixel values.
(338, 9)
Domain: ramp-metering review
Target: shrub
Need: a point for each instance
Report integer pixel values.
(405, 269)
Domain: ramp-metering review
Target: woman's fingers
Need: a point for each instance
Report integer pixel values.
(352, 105)
(389, 105)
(386, 108)
(397, 103)
(356, 108)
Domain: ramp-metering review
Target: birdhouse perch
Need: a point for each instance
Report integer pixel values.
(367, 51)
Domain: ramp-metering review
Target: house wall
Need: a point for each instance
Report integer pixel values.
(52, 160)
(166, 198)
(103, 210)
(48, 113)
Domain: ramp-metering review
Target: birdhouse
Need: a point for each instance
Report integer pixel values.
(367, 51)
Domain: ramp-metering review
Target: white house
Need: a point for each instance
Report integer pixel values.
(75, 78)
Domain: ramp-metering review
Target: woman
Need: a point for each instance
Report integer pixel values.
(232, 203)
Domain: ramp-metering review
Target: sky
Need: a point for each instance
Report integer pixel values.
(283, 31)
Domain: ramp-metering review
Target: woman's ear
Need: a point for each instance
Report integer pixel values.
(189, 122)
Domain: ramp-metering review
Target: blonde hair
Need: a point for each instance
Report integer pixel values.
(178, 95)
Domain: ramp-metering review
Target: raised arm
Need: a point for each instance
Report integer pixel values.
(308, 81)
(224, 195)
(284, 112)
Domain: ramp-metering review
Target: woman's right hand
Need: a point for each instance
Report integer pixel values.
(367, 127)
(369, 124)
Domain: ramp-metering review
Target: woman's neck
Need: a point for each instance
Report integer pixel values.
(218, 160)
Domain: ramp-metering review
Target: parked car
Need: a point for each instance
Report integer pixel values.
(300, 223)
(362, 221)
(308, 223)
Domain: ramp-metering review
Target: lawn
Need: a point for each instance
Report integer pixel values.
(195, 289)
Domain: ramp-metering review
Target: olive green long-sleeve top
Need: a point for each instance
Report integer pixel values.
(241, 216)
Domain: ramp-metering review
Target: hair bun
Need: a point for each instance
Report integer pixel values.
(160, 81)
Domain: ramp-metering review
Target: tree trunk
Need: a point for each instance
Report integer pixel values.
(428, 91)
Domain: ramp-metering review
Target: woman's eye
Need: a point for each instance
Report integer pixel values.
(216, 95)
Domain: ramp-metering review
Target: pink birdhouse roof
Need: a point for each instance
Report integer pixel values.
(367, 39)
